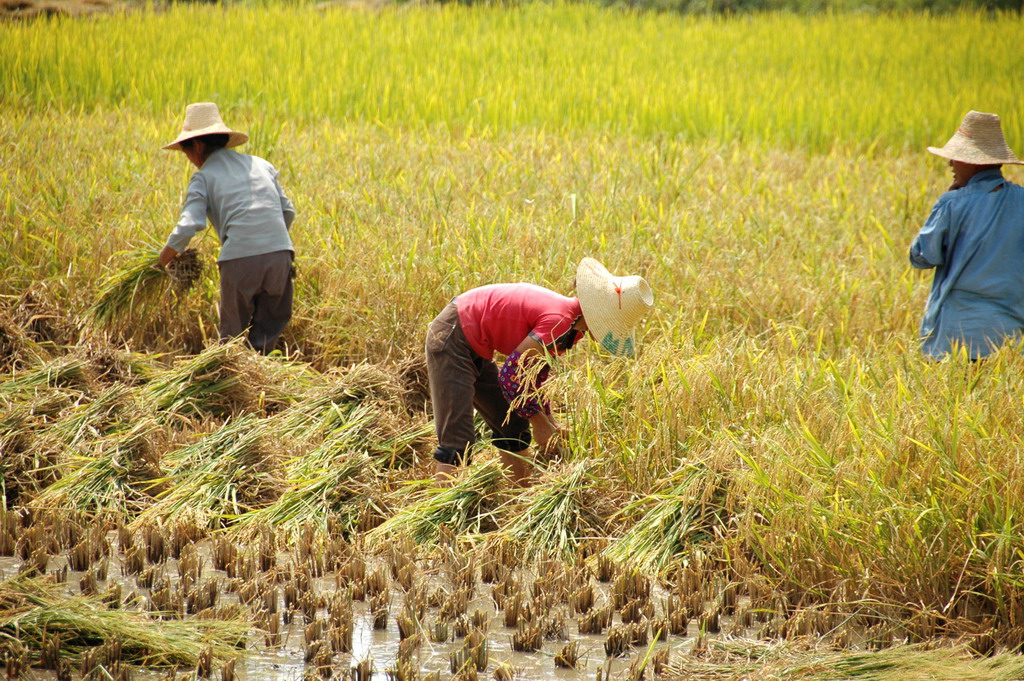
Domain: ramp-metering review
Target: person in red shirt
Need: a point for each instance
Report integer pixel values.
(526, 323)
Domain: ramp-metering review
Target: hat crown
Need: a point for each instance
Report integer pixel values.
(202, 115)
(984, 125)
(979, 141)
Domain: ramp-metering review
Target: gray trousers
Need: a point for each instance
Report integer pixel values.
(461, 380)
(256, 296)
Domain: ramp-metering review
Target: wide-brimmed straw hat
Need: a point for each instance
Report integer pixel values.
(204, 119)
(979, 141)
(612, 305)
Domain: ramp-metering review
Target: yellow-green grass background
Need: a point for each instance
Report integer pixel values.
(765, 173)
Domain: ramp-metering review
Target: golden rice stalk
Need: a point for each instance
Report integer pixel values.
(218, 478)
(140, 283)
(33, 609)
(464, 507)
(556, 515)
(684, 514)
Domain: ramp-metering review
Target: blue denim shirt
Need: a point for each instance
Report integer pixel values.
(974, 239)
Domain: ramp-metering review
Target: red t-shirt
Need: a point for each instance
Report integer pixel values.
(499, 316)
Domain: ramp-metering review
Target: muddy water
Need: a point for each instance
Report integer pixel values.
(381, 646)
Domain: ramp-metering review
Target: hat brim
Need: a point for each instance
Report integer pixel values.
(973, 157)
(235, 138)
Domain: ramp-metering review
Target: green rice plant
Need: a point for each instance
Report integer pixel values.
(557, 514)
(464, 507)
(746, 78)
(32, 609)
(105, 475)
(673, 522)
(219, 477)
(141, 283)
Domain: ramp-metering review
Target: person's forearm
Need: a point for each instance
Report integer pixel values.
(166, 255)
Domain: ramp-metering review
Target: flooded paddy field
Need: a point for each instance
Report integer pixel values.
(327, 609)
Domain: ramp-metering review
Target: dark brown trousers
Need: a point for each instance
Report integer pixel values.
(256, 297)
(461, 380)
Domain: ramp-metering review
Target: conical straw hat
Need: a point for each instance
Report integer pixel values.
(979, 141)
(612, 305)
(204, 119)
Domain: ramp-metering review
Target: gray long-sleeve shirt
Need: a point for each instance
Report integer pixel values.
(242, 199)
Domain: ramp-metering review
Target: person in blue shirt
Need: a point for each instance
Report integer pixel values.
(974, 239)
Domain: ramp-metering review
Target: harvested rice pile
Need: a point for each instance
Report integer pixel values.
(40, 624)
(226, 437)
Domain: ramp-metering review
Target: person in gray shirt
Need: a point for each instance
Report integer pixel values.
(241, 197)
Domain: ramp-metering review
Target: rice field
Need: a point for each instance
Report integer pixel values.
(779, 462)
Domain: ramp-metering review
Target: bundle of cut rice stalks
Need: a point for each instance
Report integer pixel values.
(30, 402)
(64, 372)
(229, 472)
(558, 514)
(26, 451)
(16, 346)
(111, 363)
(684, 514)
(333, 489)
(338, 483)
(467, 506)
(109, 474)
(91, 419)
(141, 283)
(359, 383)
(224, 380)
(33, 611)
(373, 420)
(807, 661)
